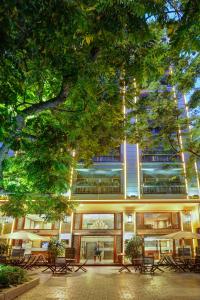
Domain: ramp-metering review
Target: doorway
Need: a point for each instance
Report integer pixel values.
(105, 245)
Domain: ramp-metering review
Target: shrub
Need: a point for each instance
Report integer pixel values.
(11, 276)
(55, 248)
(134, 247)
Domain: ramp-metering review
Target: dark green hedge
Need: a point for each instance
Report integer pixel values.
(11, 276)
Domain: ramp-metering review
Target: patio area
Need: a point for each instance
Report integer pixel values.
(106, 283)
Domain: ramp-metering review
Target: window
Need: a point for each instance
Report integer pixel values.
(98, 221)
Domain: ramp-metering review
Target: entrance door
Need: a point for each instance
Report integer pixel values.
(105, 245)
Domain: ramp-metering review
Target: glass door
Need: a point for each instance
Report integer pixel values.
(97, 249)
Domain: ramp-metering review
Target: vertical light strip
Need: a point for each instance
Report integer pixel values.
(137, 146)
(71, 176)
(135, 220)
(2, 229)
(60, 230)
(123, 230)
(12, 229)
(124, 144)
(71, 228)
(181, 144)
(181, 220)
(195, 162)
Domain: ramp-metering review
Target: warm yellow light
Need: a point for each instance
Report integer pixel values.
(181, 144)
(12, 229)
(71, 176)
(124, 144)
(195, 162)
(137, 146)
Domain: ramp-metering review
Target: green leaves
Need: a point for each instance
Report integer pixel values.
(72, 54)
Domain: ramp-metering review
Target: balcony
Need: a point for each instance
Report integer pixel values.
(98, 186)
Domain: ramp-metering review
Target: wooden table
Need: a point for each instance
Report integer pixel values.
(61, 267)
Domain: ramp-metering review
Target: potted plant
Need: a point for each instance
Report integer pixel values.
(134, 248)
(55, 248)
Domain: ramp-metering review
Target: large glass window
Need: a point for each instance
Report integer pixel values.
(98, 221)
(162, 179)
(36, 222)
(97, 181)
(158, 220)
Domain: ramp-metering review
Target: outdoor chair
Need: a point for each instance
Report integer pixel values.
(159, 264)
(81, 266)
(194, 266)
(17, 252)
(176, 265)
(147, 265)
(70, 253)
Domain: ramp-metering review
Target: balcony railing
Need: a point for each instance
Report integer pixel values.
(158, 151)
(163, 190)
(162, 182)
(107, 158)
(160, 158)
(97, 190)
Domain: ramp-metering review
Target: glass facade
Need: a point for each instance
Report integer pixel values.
(100, 181)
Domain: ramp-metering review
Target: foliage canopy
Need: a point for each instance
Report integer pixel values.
(62, 65)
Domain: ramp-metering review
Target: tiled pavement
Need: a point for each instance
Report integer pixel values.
(106, 283)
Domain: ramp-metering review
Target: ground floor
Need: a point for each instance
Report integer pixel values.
(99, 230)
(107, 283)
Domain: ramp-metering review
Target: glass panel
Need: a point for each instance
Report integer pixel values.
(97, 181)
(156, 247)
(186, 220)
(97, 249)
(162, 178)
(20, 223)
(77, 221)
(158, 221)
(129, 222)
(36, 222)
(98, 221)
(118, 218)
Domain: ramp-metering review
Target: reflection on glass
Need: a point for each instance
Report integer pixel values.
(105, 245)
(158, 220)
(36, 222)
(98, 221)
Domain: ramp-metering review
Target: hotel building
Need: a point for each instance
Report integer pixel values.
(125, 193)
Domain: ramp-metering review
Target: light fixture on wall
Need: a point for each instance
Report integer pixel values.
(130, 219)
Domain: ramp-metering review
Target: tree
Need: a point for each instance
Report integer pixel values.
(61, 70)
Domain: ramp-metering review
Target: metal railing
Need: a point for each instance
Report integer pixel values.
(163, 190)
(160, 158)
(106, 158)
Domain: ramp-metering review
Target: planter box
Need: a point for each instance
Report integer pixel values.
(12, 293)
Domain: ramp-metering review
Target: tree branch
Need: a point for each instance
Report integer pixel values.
(172, 146)
(51, 103)
(193, 152)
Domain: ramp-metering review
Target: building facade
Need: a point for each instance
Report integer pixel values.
(125, 193)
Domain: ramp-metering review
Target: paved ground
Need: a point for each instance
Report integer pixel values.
(106, 283)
